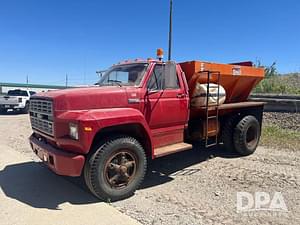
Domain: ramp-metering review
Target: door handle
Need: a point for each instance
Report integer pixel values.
(180, 95)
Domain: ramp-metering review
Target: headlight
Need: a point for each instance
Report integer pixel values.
(73, 131)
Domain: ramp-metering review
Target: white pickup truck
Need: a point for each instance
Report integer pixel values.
(16, 100)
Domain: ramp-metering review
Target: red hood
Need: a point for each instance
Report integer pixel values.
(87, 98)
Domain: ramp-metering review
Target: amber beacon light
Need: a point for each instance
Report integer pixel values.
(160, 53)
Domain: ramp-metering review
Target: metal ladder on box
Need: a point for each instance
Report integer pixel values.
(212, 109)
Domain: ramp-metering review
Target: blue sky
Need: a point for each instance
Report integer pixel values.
(48, 39)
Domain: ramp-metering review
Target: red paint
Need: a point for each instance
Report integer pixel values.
(247, 63)
(163, 116)
(67, 164)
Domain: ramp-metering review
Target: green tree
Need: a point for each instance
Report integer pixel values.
(271, 71)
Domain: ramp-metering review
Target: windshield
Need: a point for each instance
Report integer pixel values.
(120, 75)
(17, 93)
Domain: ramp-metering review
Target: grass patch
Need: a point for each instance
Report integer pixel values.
(280, 84)
(276, 137)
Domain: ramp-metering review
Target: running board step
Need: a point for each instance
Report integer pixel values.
(169, 149)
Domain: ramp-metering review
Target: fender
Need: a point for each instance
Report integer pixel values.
(98, 119)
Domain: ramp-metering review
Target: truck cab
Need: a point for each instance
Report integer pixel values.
(138, 111)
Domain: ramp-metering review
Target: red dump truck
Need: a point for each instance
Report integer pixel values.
(141, 110)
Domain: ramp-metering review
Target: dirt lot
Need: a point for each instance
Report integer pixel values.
(198, 186)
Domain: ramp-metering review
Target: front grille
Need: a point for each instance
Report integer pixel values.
(41, 106)
(41, 116)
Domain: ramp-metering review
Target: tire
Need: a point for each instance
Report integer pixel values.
(246, 135)
(105, 173)
(26, 108)
(227, 133)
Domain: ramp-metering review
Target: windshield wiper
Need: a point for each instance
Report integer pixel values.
(116, 82)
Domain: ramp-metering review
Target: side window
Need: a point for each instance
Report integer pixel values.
(155, 81)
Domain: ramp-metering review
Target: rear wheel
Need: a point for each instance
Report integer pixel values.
(116, 169)
(246, 135)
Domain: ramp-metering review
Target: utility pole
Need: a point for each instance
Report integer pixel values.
(27, 80)
(170, 30)
(66, 80)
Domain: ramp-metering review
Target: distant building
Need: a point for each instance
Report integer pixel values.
(5, 87)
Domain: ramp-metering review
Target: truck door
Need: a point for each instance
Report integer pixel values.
(166, 106)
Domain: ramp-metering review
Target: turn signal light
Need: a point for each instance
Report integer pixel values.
(88, 129)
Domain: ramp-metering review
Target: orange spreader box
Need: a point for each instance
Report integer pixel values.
(237, 79)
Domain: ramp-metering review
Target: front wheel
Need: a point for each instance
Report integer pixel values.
(116, 169)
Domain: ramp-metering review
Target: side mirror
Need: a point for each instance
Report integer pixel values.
(100, 73)
(168, 74)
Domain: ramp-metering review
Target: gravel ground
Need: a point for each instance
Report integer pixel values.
(198, 186)
(289, 121)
